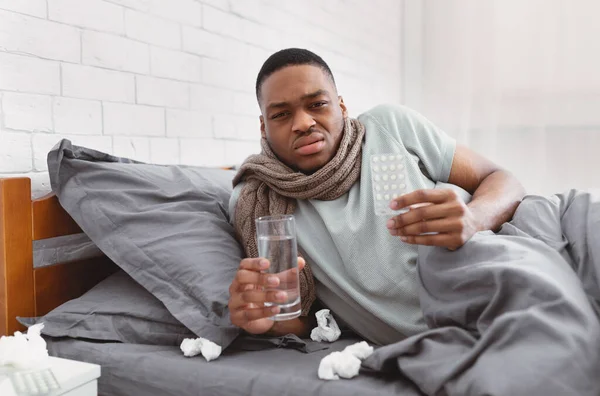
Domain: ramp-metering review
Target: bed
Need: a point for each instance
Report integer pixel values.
(28, 290)
(512, 312)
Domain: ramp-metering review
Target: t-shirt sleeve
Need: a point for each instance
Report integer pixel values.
(433, 147)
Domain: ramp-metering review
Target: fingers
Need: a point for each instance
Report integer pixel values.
(444, 240)
(242, 317)
(250, 286)
(252, 290)
(245, 277)
(435, 218)
(424, 227)
(254, 264)
(262, 296)
(301, 263)
(422, 196)
(254, 298)
(289, 276)
(250, 274)
(451, 241)
(429, 212)
(261, 264)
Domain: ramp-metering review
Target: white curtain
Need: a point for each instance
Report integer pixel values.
(516, 80)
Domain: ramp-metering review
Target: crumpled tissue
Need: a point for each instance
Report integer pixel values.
(327, 328)
(24, 351)
(361, 350)
(192, 347)
(345, 364)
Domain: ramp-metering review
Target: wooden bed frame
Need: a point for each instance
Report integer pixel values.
(27, 291)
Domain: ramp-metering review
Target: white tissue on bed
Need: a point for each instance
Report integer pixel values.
(327, 328)
(338, 364)
(24, 351)
(361, 350)
(345, 364)
(192, 347)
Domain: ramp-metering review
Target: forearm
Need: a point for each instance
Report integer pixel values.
(496, 199)
(300, 326)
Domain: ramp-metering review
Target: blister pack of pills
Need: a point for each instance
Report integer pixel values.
(389, 180)
(38, 382)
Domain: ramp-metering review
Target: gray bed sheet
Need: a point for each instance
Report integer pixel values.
(147, 370)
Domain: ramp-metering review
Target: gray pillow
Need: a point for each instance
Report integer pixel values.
(116, 309)
(165, 226)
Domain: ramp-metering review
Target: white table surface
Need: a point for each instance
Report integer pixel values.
(71, 374)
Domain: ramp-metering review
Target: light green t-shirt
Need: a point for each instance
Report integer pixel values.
(367, 277)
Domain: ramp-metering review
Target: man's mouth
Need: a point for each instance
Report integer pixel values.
(310, 145)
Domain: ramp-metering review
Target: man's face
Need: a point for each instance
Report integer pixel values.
(302, 116)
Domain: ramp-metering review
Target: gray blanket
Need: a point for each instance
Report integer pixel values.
(513, 313)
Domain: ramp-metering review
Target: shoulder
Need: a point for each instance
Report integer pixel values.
(388, 112)
(397, 121)
(393, 117)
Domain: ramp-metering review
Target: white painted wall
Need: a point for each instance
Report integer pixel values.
(172, 81)
(518, 81)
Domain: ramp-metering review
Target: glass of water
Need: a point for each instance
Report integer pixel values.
(276, 237)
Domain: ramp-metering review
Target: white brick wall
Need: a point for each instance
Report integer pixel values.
(91, 14)
(202, 42)
(133, 120)
(95, 83)
(15, 152)
(25, 34)
(224, 126)
(27, 112)
(151, 29)
(238, 149)
(175, 65)
(202, 152)
(137, 148)
(164, 151)
(205, 98)
(114, 52)
(162, 92)
(186, 123)
(187, 12)
(77, 116)
(29, 74)
(30, 7)
(172, 81)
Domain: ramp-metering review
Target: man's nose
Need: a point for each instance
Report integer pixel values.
(302, 122)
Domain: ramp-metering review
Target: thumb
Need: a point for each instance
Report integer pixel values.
(301, 263)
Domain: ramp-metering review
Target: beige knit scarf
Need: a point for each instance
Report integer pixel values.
(272, 188)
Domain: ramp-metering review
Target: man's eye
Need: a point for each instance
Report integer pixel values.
(318, 104)
(278, 115)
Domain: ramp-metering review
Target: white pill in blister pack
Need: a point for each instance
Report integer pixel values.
(38, 382)
(388, 176)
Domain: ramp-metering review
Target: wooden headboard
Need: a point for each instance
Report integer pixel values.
(27, 291)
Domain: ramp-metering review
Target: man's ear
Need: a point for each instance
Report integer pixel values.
(262, 127)
(343, 106)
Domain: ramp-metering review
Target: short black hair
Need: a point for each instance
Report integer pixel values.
(289, 57)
